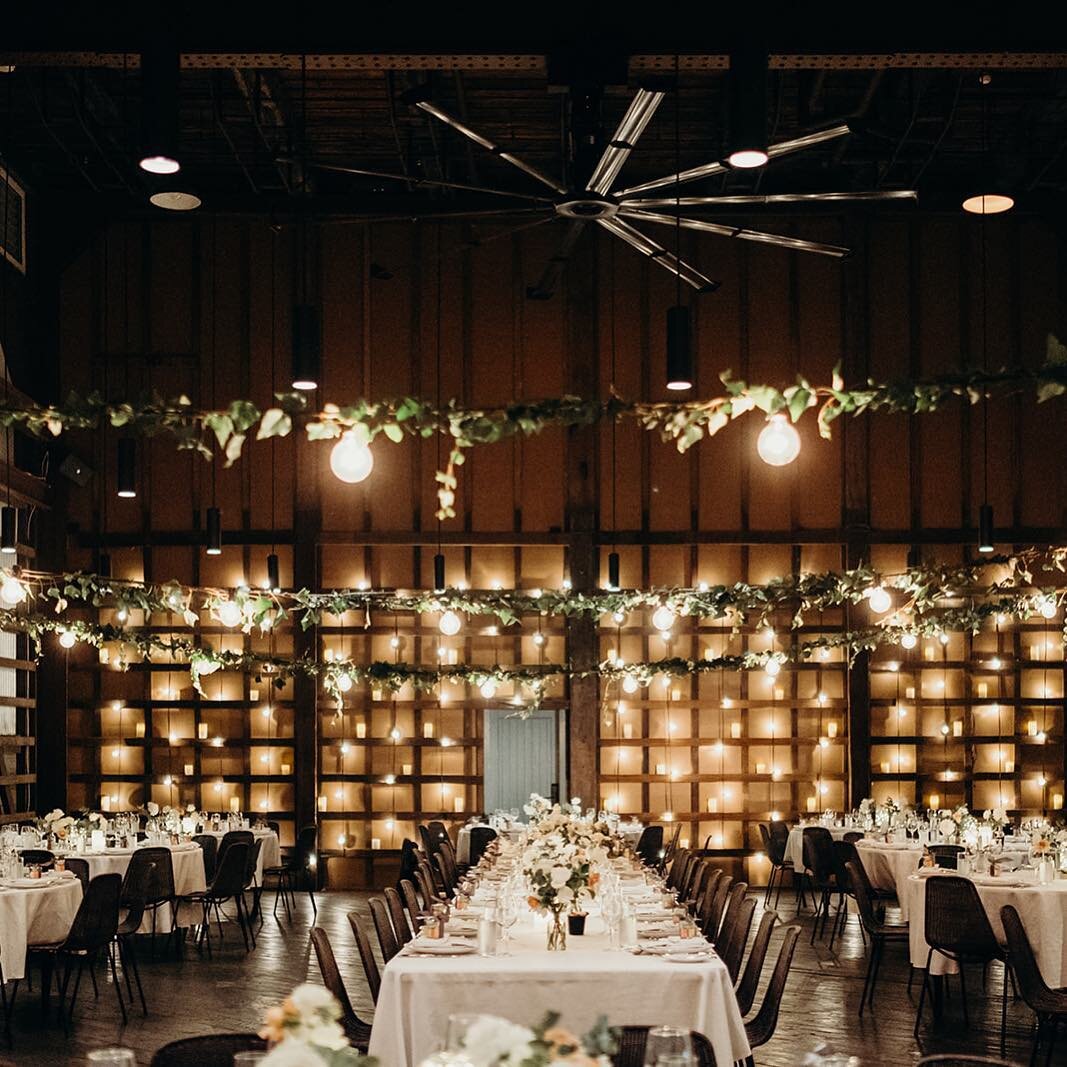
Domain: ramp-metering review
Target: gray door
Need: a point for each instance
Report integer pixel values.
(520, 758)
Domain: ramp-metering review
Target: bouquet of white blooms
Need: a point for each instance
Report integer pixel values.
(56, 822)
(306, 1032)
(494, 1042)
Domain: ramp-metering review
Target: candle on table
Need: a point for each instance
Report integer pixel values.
(1057, 801)
(909, 692)
(189, 768)
(713, 804)
(935, 801)
(983, 689)
(627, 729)
(1031, 728)
(97, 841)
(286, 768)
(812, 802)
(761, 768)
(405, 769)
(375, 843)
(322, 803)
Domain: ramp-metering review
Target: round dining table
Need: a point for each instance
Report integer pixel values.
(794, 846)
(34, 911)
(270, 855)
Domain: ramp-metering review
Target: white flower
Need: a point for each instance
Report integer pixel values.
(492, 1041)
(947, 826)
(310, 998)
(153, 808)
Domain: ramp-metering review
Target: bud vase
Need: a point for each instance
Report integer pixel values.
(557, 931)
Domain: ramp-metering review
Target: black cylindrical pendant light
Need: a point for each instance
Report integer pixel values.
(126, 477)
(438, 573)
(613, 570)
(274, 582)
(679, 351)
(214, 532)
(160, 72)
(9, 529)
(747, 144)
(103, 566)
(985, 528)
(307, 347)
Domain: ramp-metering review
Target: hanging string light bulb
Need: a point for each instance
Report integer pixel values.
(12, 591)
(879, 599)
(351, 459)
(778, 443)
(449, 624)
(663, 618)
(230, 613)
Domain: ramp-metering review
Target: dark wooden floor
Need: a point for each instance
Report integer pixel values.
(232, 992)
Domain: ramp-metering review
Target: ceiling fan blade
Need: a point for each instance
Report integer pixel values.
(445, 216)
(637, 117)
(546, 284)
(426, 182)
(741, 233)
(658, 254)
(449, 120)
(477, 242)
(769, 198)
(705, 170)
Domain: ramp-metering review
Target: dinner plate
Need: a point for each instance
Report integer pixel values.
(432, 948)
(677, 948)
(27, 883)
(687, 957)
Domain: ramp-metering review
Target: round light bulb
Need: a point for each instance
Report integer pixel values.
(488, 689)
(879, 599)
(344, 682)
(539, 639)
(943, 638)
(230, 613)
(663, 618)
(618, 618)
(995, 663)
(629, 684)
(450, 624)
(773, 666)
(351, 459)
(778, 442)
(908, 640)
(1048, 607)
(394, 642)
(945, 728)
(446, 742)
(67, 639)
(12, 591)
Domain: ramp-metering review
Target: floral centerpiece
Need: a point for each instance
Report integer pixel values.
(305, 1031)
(494, 1042)
(56, 823)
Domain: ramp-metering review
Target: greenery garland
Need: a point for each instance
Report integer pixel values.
(685, 423)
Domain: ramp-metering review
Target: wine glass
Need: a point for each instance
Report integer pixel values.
(112, 1057)
(507, 915)
(249, 1058)
(668, 1046)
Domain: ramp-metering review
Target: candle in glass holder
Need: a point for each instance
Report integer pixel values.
(1031, 728)
(627, 729)
(983, 689)
(97, 841)
(139, 729)
(286, 768)
(376, 694)
(928, 652)
(361, 729)
(105, 803)
(322, 803)
(735, 730)
(761, 768)
(885, 766)
(457, 804)
(779, 693)
(831, 729)
(713, 804)
(405, 769)
(1057, 801)
(661, 768)
(957, 728)
(935, 801)
(235, 803)
(1009, 766)
(812, 803)
(189, 768)
(909, 692)
(427, 729)
(201, 731)
(375, 843)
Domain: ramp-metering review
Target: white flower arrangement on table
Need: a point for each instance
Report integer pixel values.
(559, 870)
(494, 1042)
(537, 807)
(305, 1031)
(56, 822)
(995, 817)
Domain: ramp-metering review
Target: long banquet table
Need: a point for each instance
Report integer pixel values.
(35, 914)
(418, 994)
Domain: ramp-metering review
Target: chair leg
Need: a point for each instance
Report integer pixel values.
(1039, 1029)
(241, 921)
(870, 973)
(118, 988)
(922, 991)
(131, 964)
(963, 995)
(1004, 1009)
(92, 976)
(1054, 1025)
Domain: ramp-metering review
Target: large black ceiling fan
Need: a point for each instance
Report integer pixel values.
(617, 210)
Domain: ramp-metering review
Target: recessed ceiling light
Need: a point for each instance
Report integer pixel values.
(175, 201)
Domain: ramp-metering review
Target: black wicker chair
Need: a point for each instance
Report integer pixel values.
(38, 857)
(746, 988)
(716, 908)
(667, 854)
(733, 936)
(80, 869)
(411, 903)
(366, 955)
(295, 870)
(650, 846)
(480, 839)
(228, 884)
(134, 898)
(820, 870)
(945, 856)
(439, 833)
(401, 926)
(356, 1030)
(761, 1028)
(209, 845)
(159, 890)
(775, 850)
(409, 860)
(383, 927)
(957, 926)
(210, 1050)
(880, 933)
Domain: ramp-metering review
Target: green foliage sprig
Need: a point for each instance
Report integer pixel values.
(683, 423)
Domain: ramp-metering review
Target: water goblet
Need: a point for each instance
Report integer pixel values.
(112, 1057)
(668, 1046)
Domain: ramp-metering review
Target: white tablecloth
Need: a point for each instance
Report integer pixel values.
(188, 861)
(889, 866)
(587, 980)
(38, 915)
(794, 847)
(1042, 909)
(270, 855)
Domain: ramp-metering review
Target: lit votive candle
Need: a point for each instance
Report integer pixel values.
(909, 692)
(139, 729)
(957, 728)
(661, 768)
(735, 730)
(713, 804)
(361, 729)
(405, 768)
(376, 694)
(1057, 801)
(812, 803)
(929, 652)
(253, 694)
(761, 768)
(1009, 766)
(885, 766)
(779, 693)
(983, 689)
(457, 804)
(1031, 728)
(105, 803)
(627, 729)
(935, 801)
(322, 803)
(427, 729)
(286, 768)
(831, 729)
(375, 843)
(235, 803)
(189, 769)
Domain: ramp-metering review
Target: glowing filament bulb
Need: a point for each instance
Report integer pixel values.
(488, 689)
(618, 617)
(539, 639)
(12, 592)
(879, 599)
(995, 663)
(630, 684)
(351, 459)
(778, 443)
(908, 640)
(344, 682)
(389, 779)
(394, 642)
(230, 613)
(449, 624)
(394, 734)
(67, 639)
(663, 618)
(772, 667)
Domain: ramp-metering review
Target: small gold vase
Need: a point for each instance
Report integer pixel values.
(557, 930)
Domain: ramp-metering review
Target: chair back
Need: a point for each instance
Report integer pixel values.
(411, 902)
(429, 846)
(672, 847)
(773, 846)
(746, 988)
(331, 978)
(1032, 986)
(396, 913)
(711, 886)
(97, 918)
(80, 868)
(426, 887)
(734, 934)
(444, 874)
(650, 845)
(956, 922)
(304, 848)
(158, 886)
(737, 893)
(946, 856)
(761, 1029)
(366, 954)
(276, 827)
(633, 1039)
(229, 877)
(409, 860)
(861, 889)
(844, 853)
(38, 857)
(716, 907)
(685, 890)
(252, 863)
(695, 889)
(853, 836)
(232, 837)
(209, 845)
(134, 897)
(679, 864)
(480, 837)
(438, 832)
(383, 927)
(208, 1050)
(819, 853)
